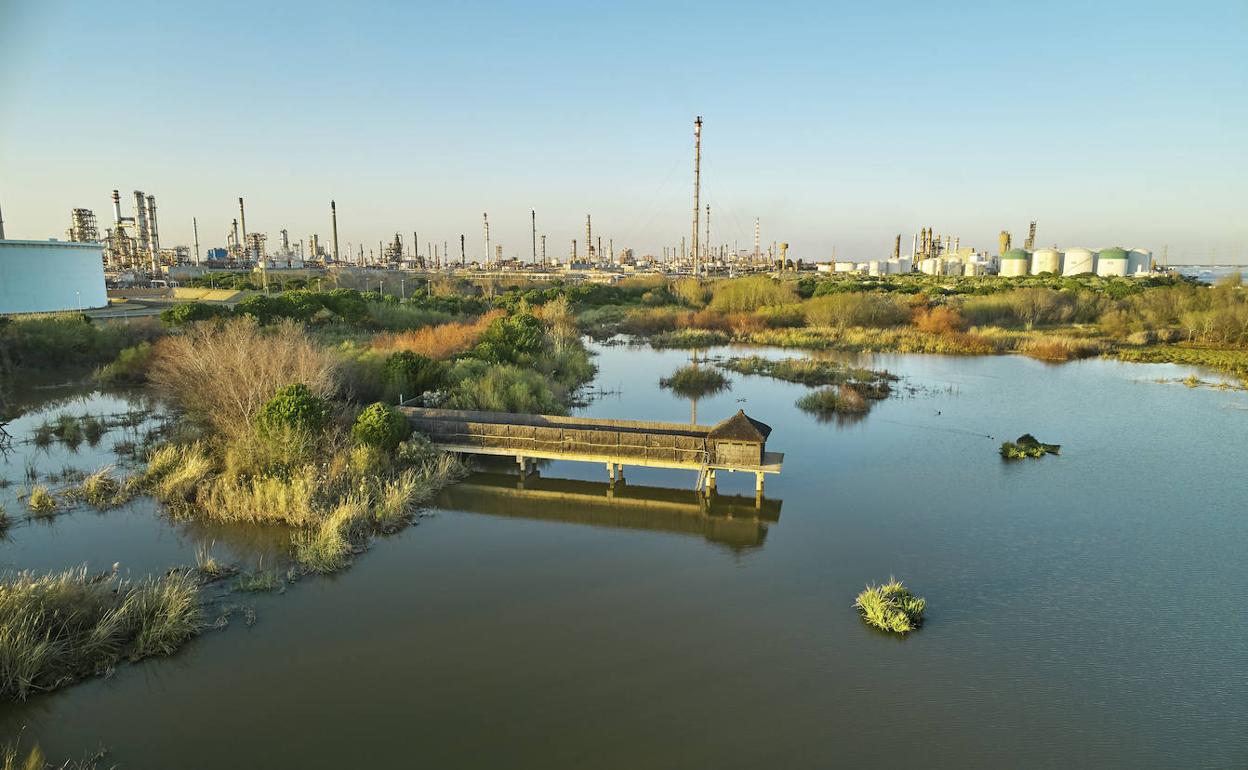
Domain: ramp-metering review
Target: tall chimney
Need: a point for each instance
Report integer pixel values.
(463, 252)
(234, 227)
(116, 208)
(697, 187)
(153, 233)
(485, 217)
(756, 240)
(897, 247)
(140, 221)
(242, 220)
(195, 228)
(589, 238)
(533, 215)
(1, 227)
(333, 214)
(543, 249)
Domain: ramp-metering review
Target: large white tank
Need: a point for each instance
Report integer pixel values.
(1139, 261)
(1015, 262)
(1078, 261)
(1111, 262)
(1046, 261)
(50, 276)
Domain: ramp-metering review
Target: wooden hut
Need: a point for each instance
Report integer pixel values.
(738, 440)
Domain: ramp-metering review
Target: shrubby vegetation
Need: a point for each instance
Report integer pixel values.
(1027, 445)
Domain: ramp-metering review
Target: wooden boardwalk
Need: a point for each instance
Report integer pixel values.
(737, 444)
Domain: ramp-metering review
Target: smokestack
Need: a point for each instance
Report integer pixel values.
(589, 238)
(755, 240)
(697, 187)
(914, 247)
(242, 219)
(234, 228)
(195, 227)
(463, 253)
(706, 247)
(897, 247)
(533, 215)
(153, 234)
(116, 208)
(2, 224)
(543, 249)
(486, 219)
(140, 221)
(333, 214)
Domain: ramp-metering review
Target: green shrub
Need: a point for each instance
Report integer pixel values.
(410, 374)
(190, 312)
(840, 399)
(503, 388)
(857, 309)
(891, 607)
(750, 293)
(511, 339)
(381, 425)
(130, 367)
(294, 406)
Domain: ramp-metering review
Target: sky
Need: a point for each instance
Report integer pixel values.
(838, 125)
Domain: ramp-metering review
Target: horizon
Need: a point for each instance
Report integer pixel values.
(837, 128)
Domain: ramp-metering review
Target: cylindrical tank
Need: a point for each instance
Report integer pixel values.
(50, 276)
(1078, 261)
(1046, 261)
(1139, 261)
(1111, 262)
(1015, 262)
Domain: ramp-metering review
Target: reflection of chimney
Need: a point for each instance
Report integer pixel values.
(117, 208)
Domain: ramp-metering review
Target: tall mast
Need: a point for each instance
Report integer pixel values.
(533, 216)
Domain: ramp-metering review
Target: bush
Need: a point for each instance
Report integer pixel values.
(856, 309)
(511, 339)
(130, 367)
(840, 399)
(223, 374)
(751, 293)
(1026, 445)
(503, 388)
(296, 407)
(939, 320)
(409, 374)
(382, 426)
(891, 607)
(190, 312)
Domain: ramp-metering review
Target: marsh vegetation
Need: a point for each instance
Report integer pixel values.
(891, 607)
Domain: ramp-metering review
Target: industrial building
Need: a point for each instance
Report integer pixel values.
(50, 276)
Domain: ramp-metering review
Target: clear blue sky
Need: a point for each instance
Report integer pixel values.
(839, 124)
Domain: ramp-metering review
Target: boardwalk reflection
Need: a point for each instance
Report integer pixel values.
(735, 522)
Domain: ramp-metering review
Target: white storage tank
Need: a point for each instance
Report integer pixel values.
(1078, 261)
(1139, 261)
(1015, 262)
(51, 276)
(1111, 262)
(1046, 261)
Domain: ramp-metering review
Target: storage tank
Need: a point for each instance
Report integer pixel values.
(1139, 261)
(1015, 262)
(51, 276)
(1046, 261)
(1078, 261)
(1111, 262)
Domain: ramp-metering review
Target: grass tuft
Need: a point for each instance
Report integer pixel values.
(891, 607)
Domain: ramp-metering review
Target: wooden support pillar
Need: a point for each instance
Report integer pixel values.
(611, 471)
(710, 482)
(619, 472)
(758, 483)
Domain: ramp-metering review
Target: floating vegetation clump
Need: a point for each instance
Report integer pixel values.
(41, 501)
(694, 382)
(834, 400)
(809, 371)
(1026, 445)
(891, 607)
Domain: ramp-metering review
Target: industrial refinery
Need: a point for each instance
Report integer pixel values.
(128, 252)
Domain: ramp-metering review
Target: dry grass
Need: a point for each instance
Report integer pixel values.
(222, 373)
(61, 627)
(1051, 348)
(437, 342)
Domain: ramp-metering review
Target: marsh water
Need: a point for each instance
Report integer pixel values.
(1085, 609)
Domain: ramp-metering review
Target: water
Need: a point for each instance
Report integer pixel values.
(1084, 609)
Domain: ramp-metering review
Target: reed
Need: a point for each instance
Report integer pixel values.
(694, 382)
(60, 627)
(891, 607)
(438, 342)
(41, 501)
(838, 399)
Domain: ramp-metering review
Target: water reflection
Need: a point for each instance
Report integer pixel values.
(735, 522)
